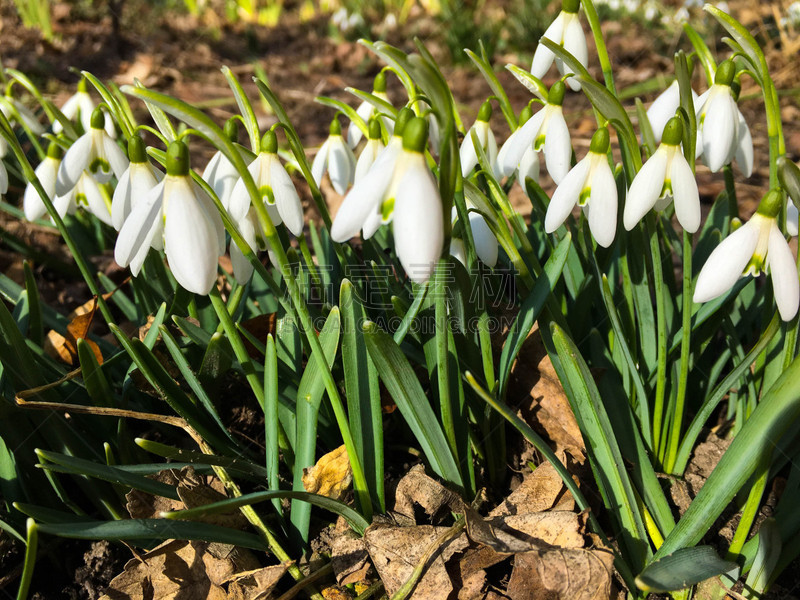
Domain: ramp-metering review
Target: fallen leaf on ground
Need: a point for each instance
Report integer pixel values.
(349, 558)
(417, 488)
(256, 584)
(65, 348)
(395, 552)
(562, 574)
(542, 489)
(331, 476)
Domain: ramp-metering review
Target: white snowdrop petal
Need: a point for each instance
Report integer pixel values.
(529, 166)
(75, 160)
(95, 199)
(31, 201)
(485, 242)
(783, 270)
(208, 207)
(726, 263)
(115, 156)
(341, 165)
(320, 162)
(458, 251)
(363, 199)
(645, 189)
(467, 153)
(566, 195)
(719, 138)
(518, 143)
(287, 201)
(575, 44)
(108, 125)
(603, 205)
(543, 57)
(242, 267)
(133, 235)
(121, 200)
(367, 157)
(418, 222)
(663, 109)
(557, 146)
(744, 147)
(791, 219)
(190, 240)
(685, 193)
(372, 223)
(354, 133)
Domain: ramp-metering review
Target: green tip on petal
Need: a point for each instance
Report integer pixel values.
(136, 149)
(600, 141)
(269, 142)
(232, 129)
(403, 117)
(771, 204)
(336, 127)
(415, 135)
(55, 151)
(98, 120)
(673, 132)
(725, 72)
(485, 113)
(789, 176)
(556, 95)
(525, 114)
(177, 158)
(379, 83)
(570, 6)
(374, 129)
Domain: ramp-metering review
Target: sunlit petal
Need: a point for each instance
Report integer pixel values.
(783, 270)
(685, 193)
(557, 146)
(645, 189)
(485, 242)
(543, 57)
(137, 232)
(72, 166)
(603, 204)
(287, 201)
(518, 143)
(744, 147)
(566, 195)
(727, 263)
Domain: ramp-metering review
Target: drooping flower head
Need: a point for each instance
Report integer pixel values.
(405, 194)
(79, 107)
(718, 119)
(486, 140)
(665, 177)
(180, 217)
(545, 130)
(275, 186)
(366, 110)
(482, 236)
(665, 106)
(335, 157)
(566, 31)
(589, 184)
(220, 173)
(137, 180)
(756, 246)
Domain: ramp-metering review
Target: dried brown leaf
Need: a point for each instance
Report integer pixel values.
(331, 476)
(395, 552)
(562, 574)
(349, 558)
(256, 584)
(417, 488)
(542, 489)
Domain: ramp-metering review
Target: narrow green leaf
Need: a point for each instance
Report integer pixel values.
(153, 529)
(702, 52)
(160, 118)
(356, 521)
(35, 327)
(530, 310)
(682, 569)
(31, 545)
(94, 379)
(406, 391)
(113, 105)
(604, 454)
(231, 464)
(346, 110)
(766, 559)
(245, 109)
(485, 68)
(532, 83)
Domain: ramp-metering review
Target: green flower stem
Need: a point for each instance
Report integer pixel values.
(30, 176)
(312, 268)
(730, 193)
(751, 507)
(686, 319)
(661, 323)
(602, 51)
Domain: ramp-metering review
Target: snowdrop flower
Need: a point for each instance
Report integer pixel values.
(486, 140)
(756, 246)
(744, 146)
(366, 110)
(591, 185)
(529, 163)
(79, 107)
(408, 195)
(137, 180)
(95, 153)
(363, 204)
(370, 151)
(275, 186)
(46, 174)
(14, 110)
(482, 236)
(664, 177)
(88, 194)
(664, 108)
(336, 157)
(546, 130)
(718, 120)
(180, 217)
(220, 173)
(789, 178)
(251, 231)
(565, 31)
